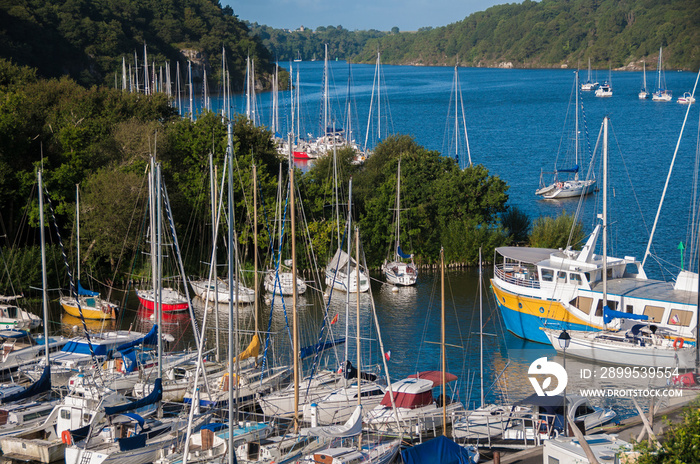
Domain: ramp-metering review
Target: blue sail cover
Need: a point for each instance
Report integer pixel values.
(127, 349)
(401, 253)
(82, 291)
(40, 386)
(610, 314)
(440, 449)
(155, 396)
(574, 169)
(318, 347)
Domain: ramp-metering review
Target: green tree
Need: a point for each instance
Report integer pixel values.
(559, 232)
(680, 444)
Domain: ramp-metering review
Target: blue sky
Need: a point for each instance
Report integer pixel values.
(407, 15)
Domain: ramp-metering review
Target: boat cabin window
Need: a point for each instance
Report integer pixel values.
(630, 309)
(552, 460)
(599, 309)
(610, 273)
(587, 275)
(680, 317)
(561, 277)
(12, 311)
(575, 279)
(65, 414)
(36, 415)
(583, 303)
(547, 275)
(655, 313)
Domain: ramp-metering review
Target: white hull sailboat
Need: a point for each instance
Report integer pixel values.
(644, 93)
(627, 348)
(661, 94)
(589, 84)
(569, 187)
(396, 271)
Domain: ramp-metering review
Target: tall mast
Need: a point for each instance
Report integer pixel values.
(189, 81)
(442, 340)
(456, 87)
(605, 211)
(255, 244)
(77, 229)
(231, 280)
(398, 212)
(325, 92)
(347, 273)
(357, 315)
(44, 279)
(576, 89)
(146, 80)
(214, 213)
(295, 322)
(481, 331)
(379, 97)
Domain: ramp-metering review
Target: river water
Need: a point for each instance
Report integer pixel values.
(514, 119)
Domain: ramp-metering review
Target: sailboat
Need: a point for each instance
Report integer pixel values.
(639, 345)
(397, 271)
(589, 84)
(661, 94)
(461, 151)
(91, 305)
(644, 93)
(569, 187)
(279, 279)
(340, 271)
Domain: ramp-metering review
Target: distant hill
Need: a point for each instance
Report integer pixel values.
(548, 33)
(86, 39)
(552, 33)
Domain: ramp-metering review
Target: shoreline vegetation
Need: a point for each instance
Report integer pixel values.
(101, 139)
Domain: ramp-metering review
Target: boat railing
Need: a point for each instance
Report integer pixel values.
(523, 276)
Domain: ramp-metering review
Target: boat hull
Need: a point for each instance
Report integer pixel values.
(525, 316)
(99, 311)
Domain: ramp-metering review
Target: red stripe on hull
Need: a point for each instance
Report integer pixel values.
(148, 304)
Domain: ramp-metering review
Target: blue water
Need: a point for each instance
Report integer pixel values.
(515, 121)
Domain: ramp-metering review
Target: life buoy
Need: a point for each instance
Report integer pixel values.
(678, 343)
(66, 437)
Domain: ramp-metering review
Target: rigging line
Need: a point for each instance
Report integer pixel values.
(668, 177)
(73, 289)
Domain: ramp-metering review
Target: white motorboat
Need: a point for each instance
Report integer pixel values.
(14, 317)
(19, 348)
(686, 99)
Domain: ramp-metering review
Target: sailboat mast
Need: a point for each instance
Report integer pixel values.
(605, 212)
(231, 277)
(379, 99)
(44, 278)
(77, 230)
(347, 273)
(456, 87)
(357, 315)
(298, 105)
(325, 92)
(481, 331)
(189, 81)
(576, 89)
(295, 322)
(255, 244)
(159, 254)
(214, 212)
(398, 213)
(442, 339)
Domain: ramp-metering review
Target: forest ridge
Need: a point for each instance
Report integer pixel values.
(549, 33)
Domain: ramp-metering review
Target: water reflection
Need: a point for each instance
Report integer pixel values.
(72, 326)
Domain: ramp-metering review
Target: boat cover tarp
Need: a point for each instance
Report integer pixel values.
(434, 376)
(340, 261)
(440, 449)
(352, 427)
(84, 292)
(401, 253)
(351, 373)
(542, 401)
(319, 347)
(152, 398)
(526, 254)
(610, 314)
(574, 169)
(129, 354)
(252, 351)
(215, 426)
(132, 443)
(80, 434)
(40, 386)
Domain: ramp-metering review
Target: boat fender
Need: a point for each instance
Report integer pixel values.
(66, 438)
(678, 343)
